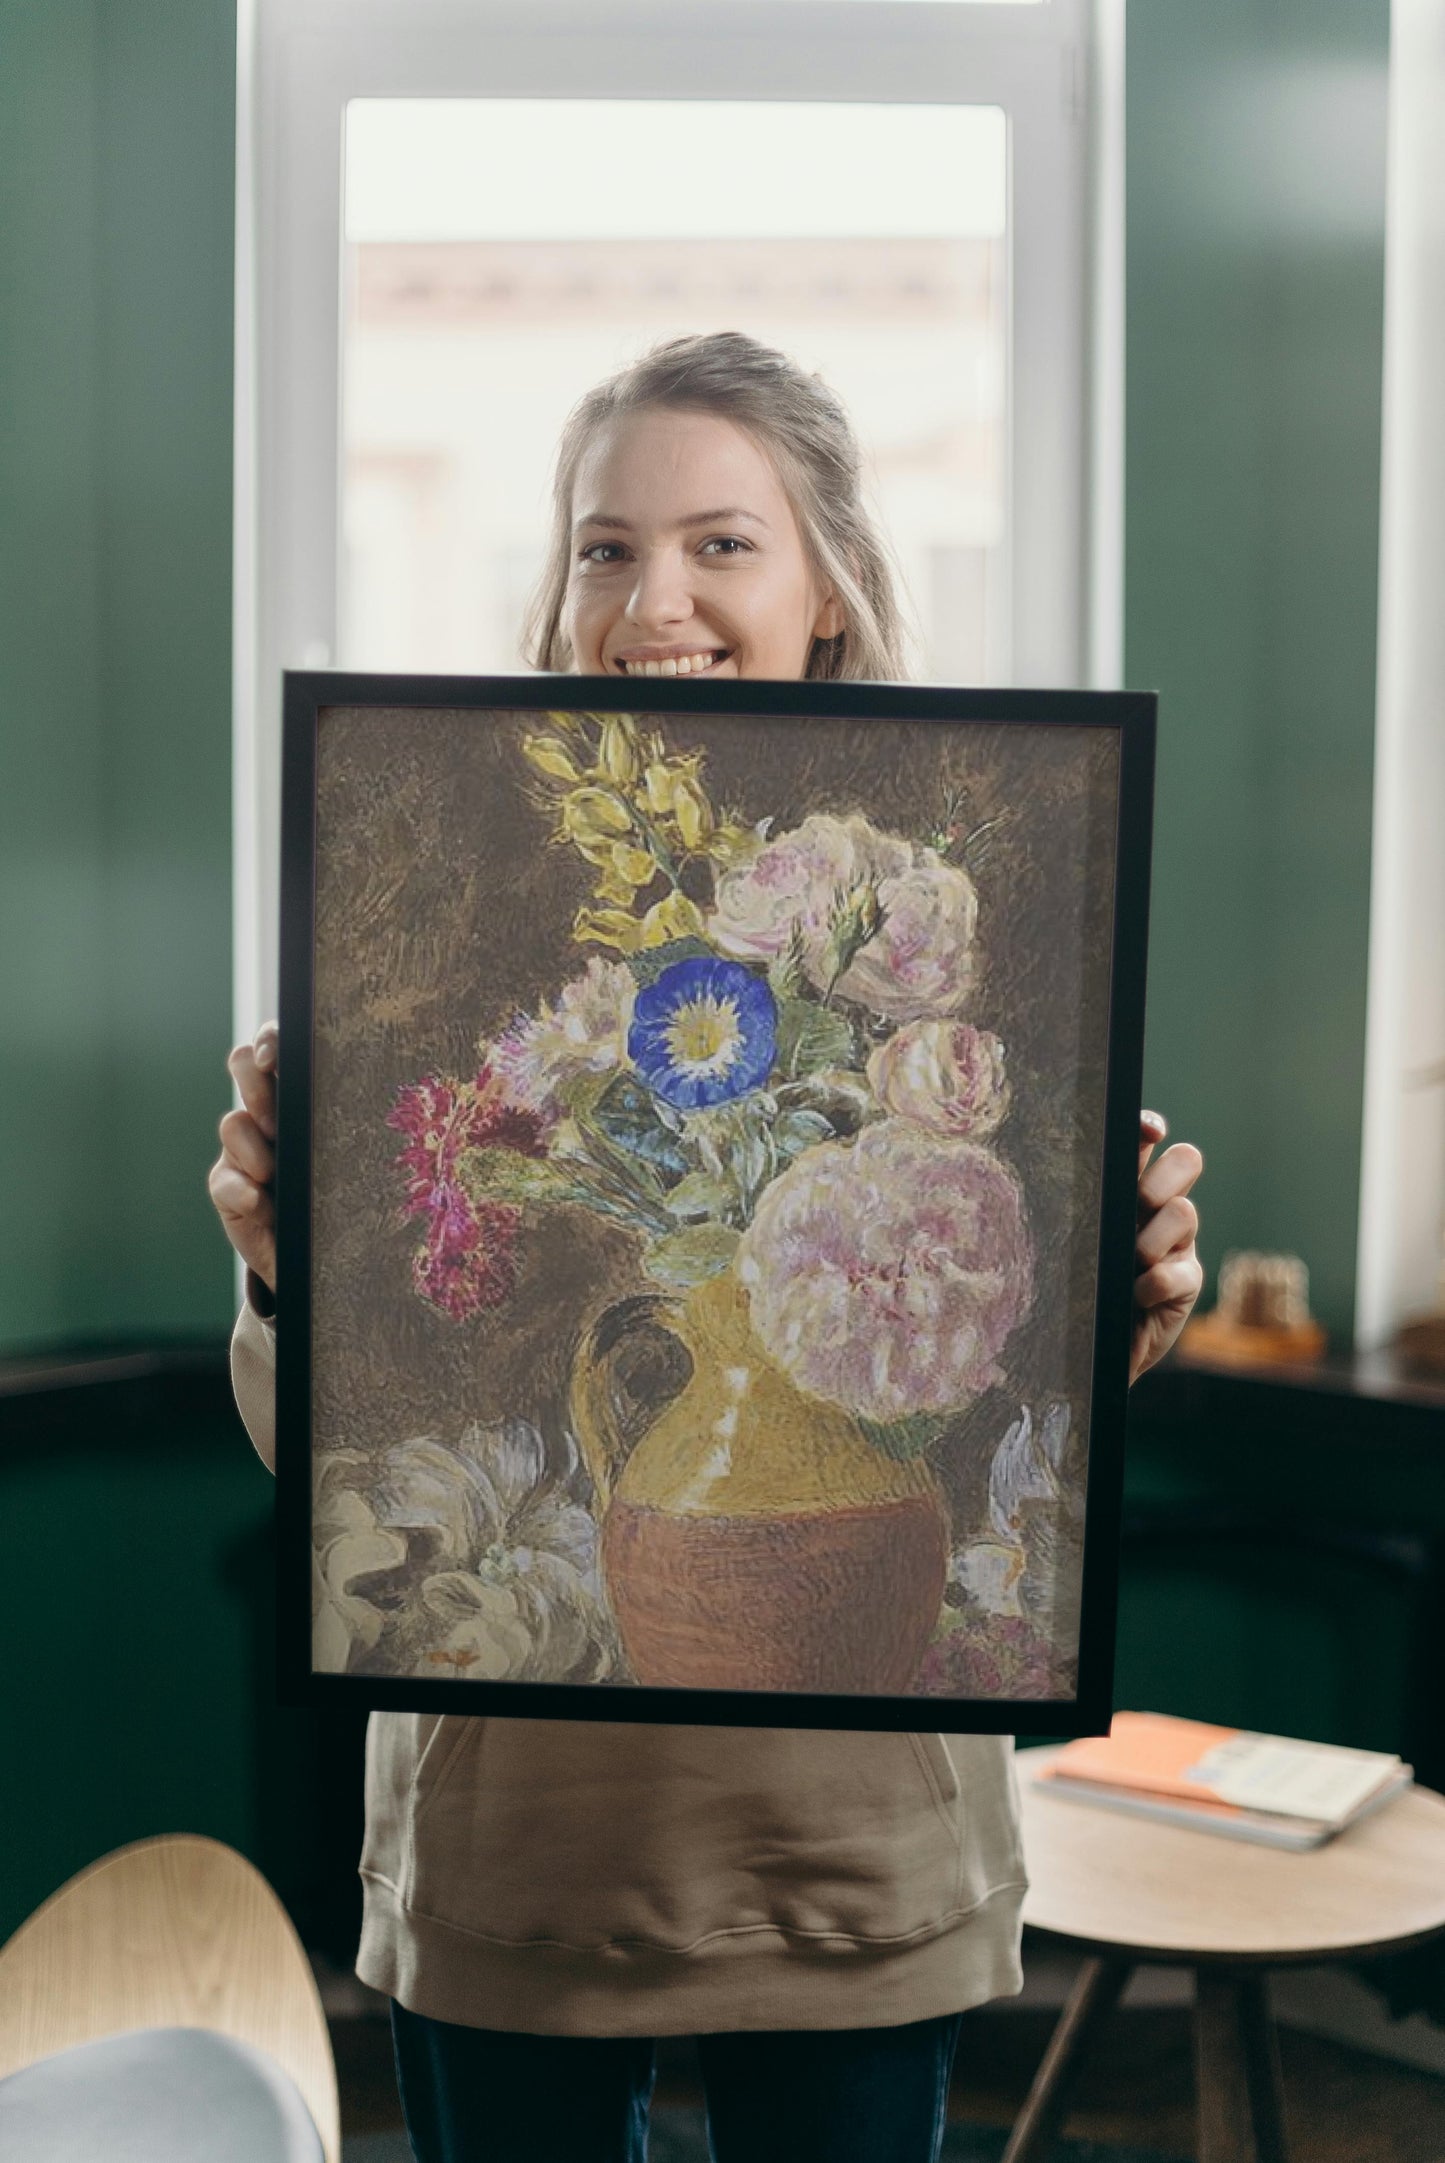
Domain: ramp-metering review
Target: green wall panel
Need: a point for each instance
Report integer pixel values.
(117, 133)
(53, 1038)
(1255, 264)
(124, 1572)
(167, 133)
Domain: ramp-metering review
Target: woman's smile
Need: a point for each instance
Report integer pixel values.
(672, 660)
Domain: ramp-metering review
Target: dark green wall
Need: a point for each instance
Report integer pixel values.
(116, 158)
(1256, 142)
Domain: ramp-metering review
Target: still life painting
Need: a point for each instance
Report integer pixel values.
(707, 1116)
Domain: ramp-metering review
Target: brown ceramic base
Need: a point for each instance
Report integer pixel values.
(834, 1600)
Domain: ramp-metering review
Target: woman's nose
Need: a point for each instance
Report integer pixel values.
(661, 595)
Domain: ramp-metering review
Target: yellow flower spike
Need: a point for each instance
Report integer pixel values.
(733, 845)
(616, 892)
(598, 853)
(594, 815)
(552, 757)
(635, 867)
(657, 784)
(620, 754)
(691, 809)
(610, 927)
(673, 918)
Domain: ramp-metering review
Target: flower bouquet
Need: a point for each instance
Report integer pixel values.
(762, 1072)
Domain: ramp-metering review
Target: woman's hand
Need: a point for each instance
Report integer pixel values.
(241, 1177)
(1168, 1275)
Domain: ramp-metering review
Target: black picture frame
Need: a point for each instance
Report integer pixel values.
(1131, 717)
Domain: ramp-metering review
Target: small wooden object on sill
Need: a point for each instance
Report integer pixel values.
(1262, 1318)
(1420, 1343)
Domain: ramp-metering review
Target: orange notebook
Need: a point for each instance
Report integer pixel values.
(1200, 1764)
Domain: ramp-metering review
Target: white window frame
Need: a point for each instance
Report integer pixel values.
(1056, 69)
(1402, 1165)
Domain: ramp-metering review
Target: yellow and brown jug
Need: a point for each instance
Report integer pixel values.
(752, 1537)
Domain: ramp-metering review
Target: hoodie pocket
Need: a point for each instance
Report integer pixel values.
(593, 1834)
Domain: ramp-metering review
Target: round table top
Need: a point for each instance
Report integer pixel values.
(1166, 1892)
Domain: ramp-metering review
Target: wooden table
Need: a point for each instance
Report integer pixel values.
(1125, 1890)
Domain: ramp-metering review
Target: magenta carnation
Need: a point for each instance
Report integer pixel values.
(469, 1261)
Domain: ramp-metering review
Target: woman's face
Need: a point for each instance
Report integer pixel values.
(686, 557)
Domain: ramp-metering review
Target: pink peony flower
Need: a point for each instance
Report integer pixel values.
(918, 965)
(792, 881)
(584, 1033)
(921, 963)
(944, 1074)
(886, 1273)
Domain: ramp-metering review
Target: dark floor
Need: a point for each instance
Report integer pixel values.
(1343, 2105)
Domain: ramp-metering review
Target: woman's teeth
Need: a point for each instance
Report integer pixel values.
(686, 664)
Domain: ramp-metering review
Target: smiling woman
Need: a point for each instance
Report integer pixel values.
(645, 577)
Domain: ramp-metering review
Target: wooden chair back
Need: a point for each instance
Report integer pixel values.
(175, 1932)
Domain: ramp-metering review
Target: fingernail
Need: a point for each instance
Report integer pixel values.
(1156, 1120)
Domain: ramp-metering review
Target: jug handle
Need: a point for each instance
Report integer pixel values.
(604, 1444)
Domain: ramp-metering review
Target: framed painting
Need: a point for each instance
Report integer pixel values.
(708, 1136)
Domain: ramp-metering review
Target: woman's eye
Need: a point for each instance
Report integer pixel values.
(602, 552)
(726, 544)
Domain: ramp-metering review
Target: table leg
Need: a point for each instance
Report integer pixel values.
(1261, 2044)
(1095, 1993)
(1241, 2115)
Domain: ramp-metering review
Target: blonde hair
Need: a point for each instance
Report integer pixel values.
(806, 431)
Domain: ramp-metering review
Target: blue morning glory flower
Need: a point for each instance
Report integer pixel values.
(704, 1032)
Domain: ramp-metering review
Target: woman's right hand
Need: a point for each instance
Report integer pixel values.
(241, 1181)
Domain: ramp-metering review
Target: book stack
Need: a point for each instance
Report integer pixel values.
(1268, 1788)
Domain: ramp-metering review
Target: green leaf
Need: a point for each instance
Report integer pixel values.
(787, 972)
(630, 1115)
(752, 1158)
(691, 1256)
(701, 1195)
(798, 1130)
(648, 964)
(505, 1175)
(909, 1437)
(811, 1038)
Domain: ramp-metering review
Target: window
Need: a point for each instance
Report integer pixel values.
(474, 317)
(454, 217)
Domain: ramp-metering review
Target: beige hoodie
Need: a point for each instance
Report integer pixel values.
(598, 1878)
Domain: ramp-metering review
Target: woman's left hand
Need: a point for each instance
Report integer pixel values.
(1168, 1275)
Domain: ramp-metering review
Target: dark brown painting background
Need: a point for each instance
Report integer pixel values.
(443, 908)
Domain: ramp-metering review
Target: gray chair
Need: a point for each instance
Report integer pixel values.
(160, 2007)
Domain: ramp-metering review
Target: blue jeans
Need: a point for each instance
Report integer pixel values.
(833, 2095)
